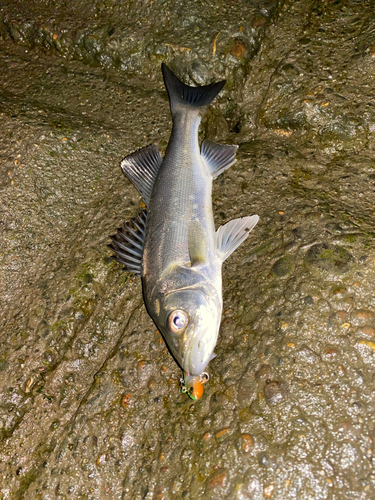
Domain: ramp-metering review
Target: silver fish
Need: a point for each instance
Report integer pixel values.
(173, 244)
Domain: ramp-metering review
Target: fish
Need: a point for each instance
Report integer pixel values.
(173, 245)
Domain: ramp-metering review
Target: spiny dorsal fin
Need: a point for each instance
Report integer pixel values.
(128, 244)
(232, 234)
(218, 156)
(181, 94)
(141, 168)
(197, 243)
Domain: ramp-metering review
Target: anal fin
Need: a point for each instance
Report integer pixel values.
(128, 244)
(219, 157)
(230, 236)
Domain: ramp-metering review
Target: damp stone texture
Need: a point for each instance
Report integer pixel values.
(90, 401)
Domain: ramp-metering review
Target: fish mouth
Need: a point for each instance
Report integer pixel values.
(195, 359)
(198, 350)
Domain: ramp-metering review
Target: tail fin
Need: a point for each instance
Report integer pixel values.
(182, 94)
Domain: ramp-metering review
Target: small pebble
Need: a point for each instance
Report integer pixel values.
(268, 490)
(308, 300)
(221, 433)
(297, 233)
(282, 267)
(368, 331)
(126, 400)
(274, 393)
(264, 372)
(331, 352)
(258, 21)
(264, 460)
(334, 227)
(217, 480)
(338, 290)
(151, 384)
(101, 459)
(361, 317)
(247, 442)
(307, 355)
(141, 364)
(368, 343)
(29, 384)
(255, 408)
(159, 492)
(342, 314)
(238, 49)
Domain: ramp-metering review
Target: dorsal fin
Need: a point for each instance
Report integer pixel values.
(232, 234)
(218, 156)
(141, 168)
(128, 244)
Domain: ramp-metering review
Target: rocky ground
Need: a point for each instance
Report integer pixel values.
(90, 402)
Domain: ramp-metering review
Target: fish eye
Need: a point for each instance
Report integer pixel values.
(177, 321)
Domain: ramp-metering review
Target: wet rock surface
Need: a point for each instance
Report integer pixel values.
(89, 395)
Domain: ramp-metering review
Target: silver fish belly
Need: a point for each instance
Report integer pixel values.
(173, 245)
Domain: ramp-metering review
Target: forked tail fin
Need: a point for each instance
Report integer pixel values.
(181, 94)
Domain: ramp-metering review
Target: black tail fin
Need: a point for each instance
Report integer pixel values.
(181, 94)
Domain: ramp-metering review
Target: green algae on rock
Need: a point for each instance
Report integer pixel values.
(330, 258)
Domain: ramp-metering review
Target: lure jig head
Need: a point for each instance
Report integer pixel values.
(192, 385)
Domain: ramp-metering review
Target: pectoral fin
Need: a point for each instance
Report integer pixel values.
(197, 243)
(232, 234)
(218, 156)
(141, 168)
(128, 244)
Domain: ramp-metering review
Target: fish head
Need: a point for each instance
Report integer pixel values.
(190, 326)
